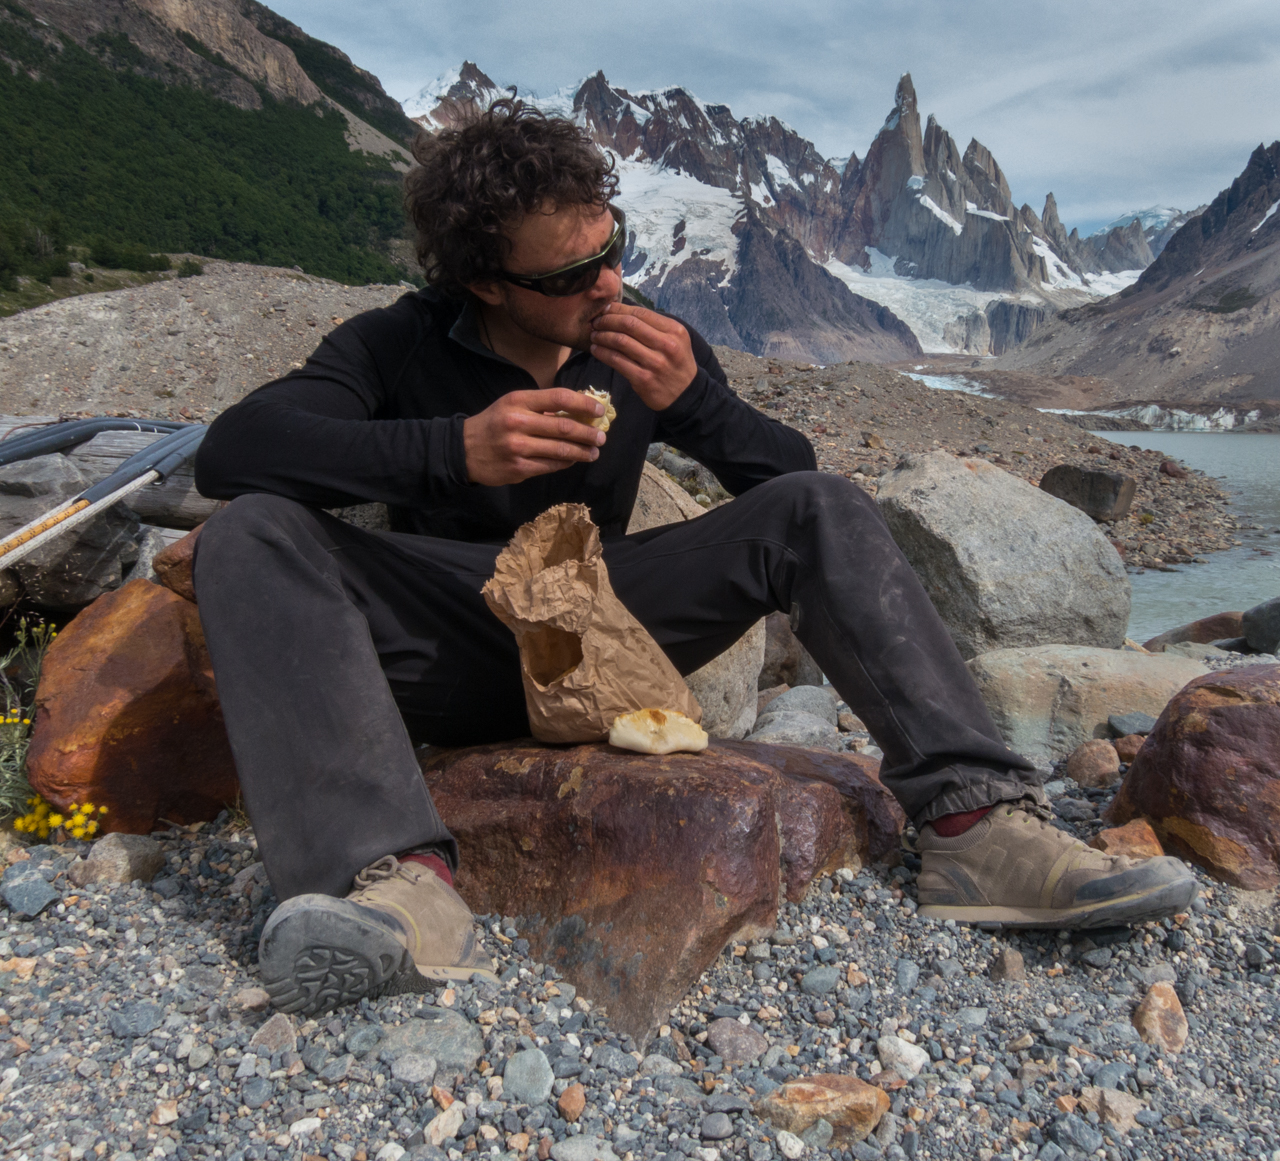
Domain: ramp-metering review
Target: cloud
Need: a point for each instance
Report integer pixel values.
(1112, 107)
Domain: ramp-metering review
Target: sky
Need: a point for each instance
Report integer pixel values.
(1113, 106)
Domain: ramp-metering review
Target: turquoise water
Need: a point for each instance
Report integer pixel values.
(1248, 466)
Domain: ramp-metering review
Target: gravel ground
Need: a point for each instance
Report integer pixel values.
(130, 1027)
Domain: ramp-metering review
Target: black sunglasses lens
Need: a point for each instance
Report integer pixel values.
(573, 281)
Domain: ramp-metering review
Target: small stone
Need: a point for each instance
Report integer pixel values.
(528, 1077)
(1094, 763)
(88, 1068)
(735, 1043)
(25, 891)
(136, 1020)
(1072, 1132)
(849, 1106)
(572, 1101)
(276, 1035)
(256, 1092)
(820, 980)
(1097, 957)
(759, 953)
(364, 1039)
(655, 1064)
(789, 1145)
(413, 1068)
(583, 1148)
(614, 1060)
(908, 975)
(446, 1124)
(201, 1054)
(336, 1070)
(391, 1151)
(1159, 1019)
(895, 1052)
(119, 858)
(251, 1000)
(717, 1127)
(1128, 746)
(1135, 839)
(454, 1041)
(305, 1126)
(1131, 723)
(1008, 965)
(165, 1113)
(972, 1017)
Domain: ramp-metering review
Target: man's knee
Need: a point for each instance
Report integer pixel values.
(818, 497)
(256, 518)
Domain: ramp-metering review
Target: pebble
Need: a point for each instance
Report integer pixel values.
(717, 1127)
(789, 1145)
(528, 1077)
(820, 981)
(583, 1148)
(735, 1043)
(895, 1052)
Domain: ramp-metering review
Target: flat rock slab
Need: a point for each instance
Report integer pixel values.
(453, 1041)
(631, 872)
(1208, 779)
(127, 714)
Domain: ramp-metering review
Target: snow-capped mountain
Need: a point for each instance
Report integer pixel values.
(743, 228)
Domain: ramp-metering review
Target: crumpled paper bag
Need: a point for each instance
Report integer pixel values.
(584, 658)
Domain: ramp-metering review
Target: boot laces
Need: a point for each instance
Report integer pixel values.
(387, 867)
(1042, 813)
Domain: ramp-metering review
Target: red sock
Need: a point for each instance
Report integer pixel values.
(953, 825)
(435, 862)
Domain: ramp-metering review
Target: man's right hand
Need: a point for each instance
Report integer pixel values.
(520, 436)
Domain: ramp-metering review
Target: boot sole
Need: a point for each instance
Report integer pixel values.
(318, 953)
(1139, 907)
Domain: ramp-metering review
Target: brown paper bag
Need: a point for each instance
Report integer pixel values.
(585, 659)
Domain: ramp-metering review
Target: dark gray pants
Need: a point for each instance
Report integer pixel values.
(336, 650)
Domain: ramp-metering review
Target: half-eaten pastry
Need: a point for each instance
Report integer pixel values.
(655, 731)
(601, 422)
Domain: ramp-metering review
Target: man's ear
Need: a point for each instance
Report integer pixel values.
(487, 292)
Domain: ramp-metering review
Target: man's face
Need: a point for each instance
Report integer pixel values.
(547, 241)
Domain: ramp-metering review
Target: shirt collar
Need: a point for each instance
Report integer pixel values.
(466, 333)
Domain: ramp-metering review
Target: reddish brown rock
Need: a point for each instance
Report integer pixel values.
(1174, 469)
(127, 714)
(1207, 778)
(572, 1101)
(631, 871)
(1094, 763)
(850, 1106)
(1135, 839)
(1128, 746)
(1202, 632)
(1160, 1020)
(173, 566)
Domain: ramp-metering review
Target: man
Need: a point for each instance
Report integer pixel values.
(336, 649)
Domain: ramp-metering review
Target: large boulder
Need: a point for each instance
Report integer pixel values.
(659, 501)
(1004, 563)
(1202, 632)
(78, 566)
(631, 872)
(127, 714)
(1208, 776)
(1047, 700)
(786, 661)
(726, 686)
(1100, 495)
(1261, 626)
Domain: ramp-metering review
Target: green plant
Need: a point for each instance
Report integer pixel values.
(19, 675)
(116, 257)
(189, 267)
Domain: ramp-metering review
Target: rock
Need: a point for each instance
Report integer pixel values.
(127, 714)
(136, 1020)
(1204, 632)
(1128, 746)
(615, 1060)
(1135, 839)
(77, 567)
(1094, 763)
(1260, 626)
(256, 1092)
(418, 1069)
(1113, 1107)
(276, 1035)
(583, 1148)
(25, 891)
(655, 1064)
(766, 696)
(896, 1053)
(786, 661)
(1004, 563)
(1070, 1132)
(1008, 966)
(1047, 700)
(119, 858)
(251, 999)
(818, 1135)
(717, 1127)
(452, 1040)
(528, 1077)
(391, 1151)
(634, 871)
(820, 980)
(572, 1101)
(1173, 469)
(726, 686)
(795, 729)
(445, 1125)
(1207, 779)
(907, 974)
(1100, 495)
(818, 700)
(1159, 1018)
(1129, 724)
(789, 1145)
(173, 567)
(660, 500)
(851, 1107)
(735, 1043)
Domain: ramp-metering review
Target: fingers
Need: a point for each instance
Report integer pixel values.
(557, 399)
(622, 314)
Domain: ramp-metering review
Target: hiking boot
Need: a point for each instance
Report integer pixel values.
(402, 929)
(1014, 868)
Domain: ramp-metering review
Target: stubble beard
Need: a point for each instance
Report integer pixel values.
(574, 333)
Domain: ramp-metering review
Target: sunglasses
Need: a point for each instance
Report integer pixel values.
(581, 275)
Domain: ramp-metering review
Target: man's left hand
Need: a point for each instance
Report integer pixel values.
(651, 351)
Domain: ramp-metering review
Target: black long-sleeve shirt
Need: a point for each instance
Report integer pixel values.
(376, 415)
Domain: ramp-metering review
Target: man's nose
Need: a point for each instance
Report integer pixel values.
(608, 284)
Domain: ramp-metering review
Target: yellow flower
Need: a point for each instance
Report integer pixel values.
(19, 825)
(92, 828)
(102, 810)
(87, 808)
(55, 820)
(77, 832)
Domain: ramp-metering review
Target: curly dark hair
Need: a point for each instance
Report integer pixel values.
(482, 176)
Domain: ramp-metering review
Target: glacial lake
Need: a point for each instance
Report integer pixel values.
(1248, 466)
